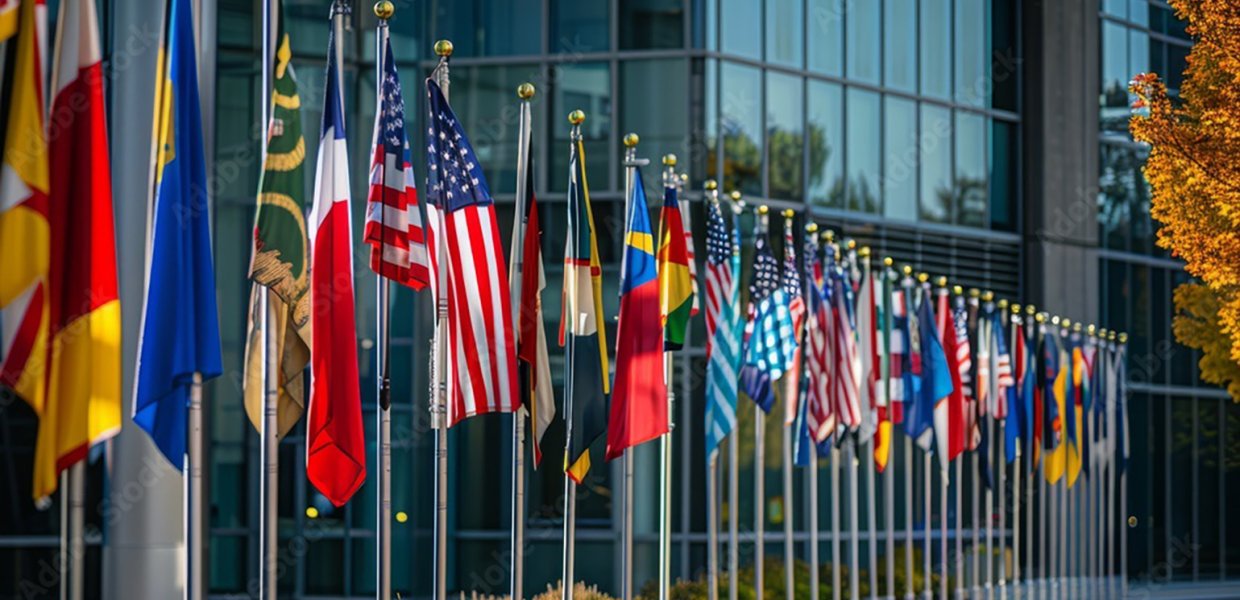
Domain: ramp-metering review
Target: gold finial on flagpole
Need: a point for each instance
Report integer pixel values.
(851, 243)
(941, 281)
(888, 261)
(974, 292)
(1066, 322)
(1123, 337)
(1091, 330)
(811, 228)
(762, 210)
(988, 296)
(710, 185)
(1102, 333)
(789, 213)
(923, 277)
(1076, 327)
(957, 290)
(384, 9)
(1055, 320)
(829, 236)
(443, 48)
(1039, 317)
(864, 252)
(525, 91)
(631, 140)
(669, 160)
(1015, 309)
(577, 117)
(908, 270)
(735, 195)
(1002, 303)
(1030, 309)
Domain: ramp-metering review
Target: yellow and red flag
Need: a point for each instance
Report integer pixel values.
(675, 280)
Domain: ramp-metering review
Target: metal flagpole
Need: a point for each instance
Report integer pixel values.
(958, 292)
(813, 525)
(712, 530)
(975, 589)
(77, 524)
(270, 482)
(665, 443)
(525, 92)
(836, 584)
(439, 378)
(1126, 521)
(1026, 331)
(631, 163)
(196, 590)
(759, 462)
(909, 592)
(789, 432)
(62, 551)
(383, 12)
(927, 587)
(734, 443)
(1040, 472)
(1016, 338)
(570, 487)
(1001, 467)
(889, 485)
(867, 456)
(854, 553)
(988, 499)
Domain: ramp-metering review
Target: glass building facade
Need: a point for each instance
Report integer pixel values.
(898, 123)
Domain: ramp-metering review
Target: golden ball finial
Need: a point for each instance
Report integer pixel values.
(711, 185)
(941, 281)
(829, 235)
(1015, 308)
(1055, 320)
(864, 252)
(577, 117)
(852, 244)
(1123, 338)
(1030, 309)
(1111, 336)
(923, 277)
(443, 48)
(1040, 317)
(384, 9)
(525, 91)
(1091, 330)
(988, 295)
(888, 261)
(631, 140)
(669, 160)
(811, 228)
(1002, 303)
(736, 195)
(684, 178)
(957, 290)
(1076, 327)
(975, 293)
(908, 270)
(1066, 322)
(762, 210)
(789, 213)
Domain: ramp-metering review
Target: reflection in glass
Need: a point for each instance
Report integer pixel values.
(899, 158)
(1003, 170)
(783, 32)
(825, 32)
(826, 144)
(784, 130)
(646, 24)
(899, 39)
(935, 45)
(741, 125)
(486, 97)
(970, 191)
(490, 27)
(863, 150)
(972, 61)
(863, 31)
(659, 119)
(1115, 74)
(739, 26)
(579, 26)
(585, 86)
(936, 163)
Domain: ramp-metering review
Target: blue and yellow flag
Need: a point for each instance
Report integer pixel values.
(180, 323)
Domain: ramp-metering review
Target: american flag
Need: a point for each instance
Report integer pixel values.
(964, 364)
(819, 410)
(481, 357)
(1003, 368)
(718, 268)
(393, 223)
(845, 363)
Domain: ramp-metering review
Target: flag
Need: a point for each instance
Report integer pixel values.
(796, 307)
(936, 379)
(279, 259)
(9, 12)
(1121, 415)
(1075, 405)
(1053, 398)
(724, 361)
(675, 281)
(820, 416)
(1015, 425)
(80, 357)
(393, 222)
(1029, 389)
(180, 323)
(586, 368)
(639, 400)
(537, 393)
(905, 367)
(886, 386)
(1002, 370)
(24, 226)
(867, 337)
(335, 444)
(845, 364)
(948, 425)
(689, 254)
(481, 361)
(755, 381)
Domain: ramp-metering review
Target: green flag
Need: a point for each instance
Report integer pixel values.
(280, 253)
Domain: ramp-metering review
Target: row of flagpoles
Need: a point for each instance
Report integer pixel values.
(852, 349)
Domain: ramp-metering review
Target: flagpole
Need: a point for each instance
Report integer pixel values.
(813, 524)
(759, 459)
(889, 486)
(988, 496)
(789, 432)
(712, 529)
(868, 452)
(626, 583)
(1122, 425)
(575, 118)
(734, 444)
(836, 591)
(439, 377)
(516, 558)
(909, 588)
(665, 443)
(949, 329)
(1016, 337)
(77, 524)
(854, 553)
(1001, 451)
(62, 550)
(270, 449)
(196, 589)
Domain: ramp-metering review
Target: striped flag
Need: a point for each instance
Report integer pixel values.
(886, 386)
(676, 295)
(947, 427)
(335, 444)
(481, 362)
(585, 341)
(867, 338)
(820, 415)
(9, 17)
(24, 226)
(845, 364)
(393, 223)
(756, 382)
(964, 417)
(180, 322)
(639, 401)
(723, 268)
(936, 378)
(1003, 367)
(796, 306)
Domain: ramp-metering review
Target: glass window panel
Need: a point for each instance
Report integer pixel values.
(1231, 479)
(826, 35)
(1138, 54)
(936, 163)
(863, 150)
(237, 24)
(706, 30)
(710, 114)
(1003, 170)
(1209, 505)
(900, 158)
(1142, 224)
(1177, 62)
(1118, 8)
(864, 32)
(739, 27)
(970, 52)
(1146, 483)
(826, 144)
(578, 26)
(1139, 11)
(1158, 56)
(970, 188)
(899, 51)
(491, 27)
(1005, 56)
(784, 23)
(1180, 488)
(741, 121)
(1120, 169)
(486, 103)
(785, 135)
(659, 119)
(1115, 75)
(585, 86)
(646, 24)
(935, 45)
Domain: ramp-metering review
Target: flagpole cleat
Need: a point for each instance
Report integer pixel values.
(443, 48)
(525, 91)
(384, 9)
(631, 140)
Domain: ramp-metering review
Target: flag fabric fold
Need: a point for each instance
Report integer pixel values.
(639, 398)
(335, 448)
(796, 307)
(936, 378)
(180, 322)
(948, 431)
(768, 327)
(723, 363)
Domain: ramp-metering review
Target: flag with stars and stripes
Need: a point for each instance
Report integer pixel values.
(481, 359)
(393, 223)
(820, 416)
(719, 275)
(722, 270)
(764, 357)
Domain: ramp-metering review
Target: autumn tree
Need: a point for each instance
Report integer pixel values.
(1194, 175)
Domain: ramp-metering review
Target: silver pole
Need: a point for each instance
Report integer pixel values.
(712, 528)
(77, 533)
(439, 378)
(959, 560)
(1017, 476)
(854, 553)
(733, 514)
(889, 480)
(813, 525)
(1065, 514)
(1123, 534)
(1046, 516)
(975, 576)
(909, 592)
(270, 450)
(384, 512)
(62, 552)
(517, 559)
(1001, 467)
(759, 494)
(871, 518)
(836, 592)
(988, 503)
(195, 528)
(943, 559)
(927, 588)
(1053, 525)
(789, 552)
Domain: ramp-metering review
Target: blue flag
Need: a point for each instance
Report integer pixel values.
(936, 380)
(1014, 425)
(180, 323)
